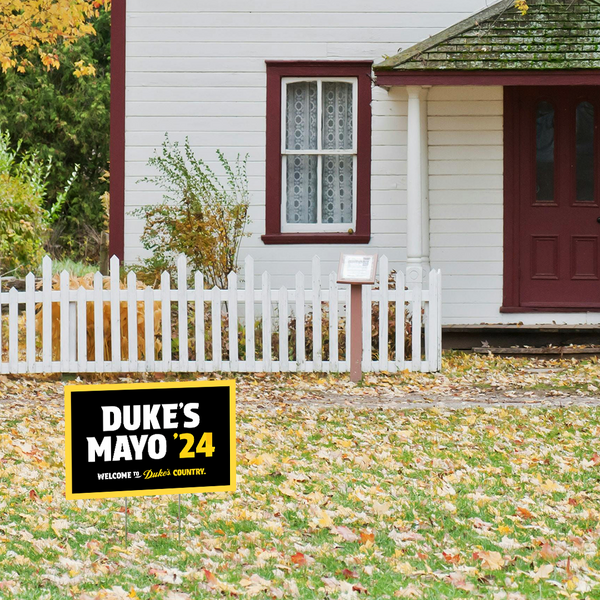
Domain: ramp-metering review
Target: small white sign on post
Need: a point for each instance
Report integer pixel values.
(357, 270)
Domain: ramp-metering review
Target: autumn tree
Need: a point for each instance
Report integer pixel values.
(55, 89)
(40, 26)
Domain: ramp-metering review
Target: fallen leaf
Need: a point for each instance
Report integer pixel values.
(346, 533)
(451, 556)
(458, 580)
(210, 578)
(59, 525)
(173, 595)
(524, 513)
(325, 521)
(348, 574)
(548, 553)
(410, 591)
(299, 559)
(366, 537)
(491, 560)
(543, 572)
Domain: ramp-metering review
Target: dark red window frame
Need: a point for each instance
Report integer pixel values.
(276, 70)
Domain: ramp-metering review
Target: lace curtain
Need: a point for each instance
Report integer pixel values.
(301, 134)
(337, 170)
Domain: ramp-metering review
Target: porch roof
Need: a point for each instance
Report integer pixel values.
(554, 35)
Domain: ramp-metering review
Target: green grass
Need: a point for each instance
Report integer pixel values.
(78, 269)
(429, 484)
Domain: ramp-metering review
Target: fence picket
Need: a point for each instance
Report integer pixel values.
(165, 298)
(400, 322)
(115, 315)
(72, 357)
(217, 349)
(384, 307)
(182, 312)
(439, 320)
(149, 329)
(300, 325)
(65, 329)
(74, 335)
(29, 323)
(132, 346)
(82, 362)
(284, 359)
(47, 314)
(317, 315)
(432, 317)
(13, 330)
(333, 324)
(416, 306)
(199, 318)
(249, 313)
(98, 323)
(232, 306)
(266, 321)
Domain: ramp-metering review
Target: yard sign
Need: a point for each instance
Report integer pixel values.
(145, 439)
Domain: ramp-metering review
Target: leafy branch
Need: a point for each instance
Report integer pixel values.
(201, 216)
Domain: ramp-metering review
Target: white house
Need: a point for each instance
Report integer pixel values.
(414, 129)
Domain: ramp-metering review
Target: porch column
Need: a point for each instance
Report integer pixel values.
(414, 189)
(425, 181)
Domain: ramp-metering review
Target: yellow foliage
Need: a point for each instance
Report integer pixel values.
(31, 24)
(83, 70)
(87, 282)
(522, 6)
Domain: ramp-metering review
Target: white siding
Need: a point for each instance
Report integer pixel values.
(197, 69)
(466, 197)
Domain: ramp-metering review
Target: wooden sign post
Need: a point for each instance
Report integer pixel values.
(146, 439)
(357, 270)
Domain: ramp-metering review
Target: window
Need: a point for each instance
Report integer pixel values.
(318, 155)
(584, 158)
(545, 152)
(318, 152)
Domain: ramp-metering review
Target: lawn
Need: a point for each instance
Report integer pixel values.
(332, 502)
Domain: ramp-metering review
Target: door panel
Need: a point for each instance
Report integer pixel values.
(584, 257)
(544, 257)
(558, 197)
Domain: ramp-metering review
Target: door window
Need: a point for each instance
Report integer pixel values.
(584, 158)
(544, 137)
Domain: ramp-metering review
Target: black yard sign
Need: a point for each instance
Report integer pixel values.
(149, 438)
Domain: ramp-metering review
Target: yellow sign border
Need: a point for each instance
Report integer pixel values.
(70, 495)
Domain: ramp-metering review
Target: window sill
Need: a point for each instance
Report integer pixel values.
(315, 238)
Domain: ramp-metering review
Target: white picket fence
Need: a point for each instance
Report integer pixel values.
(205, 341)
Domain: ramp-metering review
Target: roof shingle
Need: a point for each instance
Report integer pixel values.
(554, 34)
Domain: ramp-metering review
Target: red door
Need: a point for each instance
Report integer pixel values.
(558, 203)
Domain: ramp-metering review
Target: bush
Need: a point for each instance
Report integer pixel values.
(23, 220)
(201, 216)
